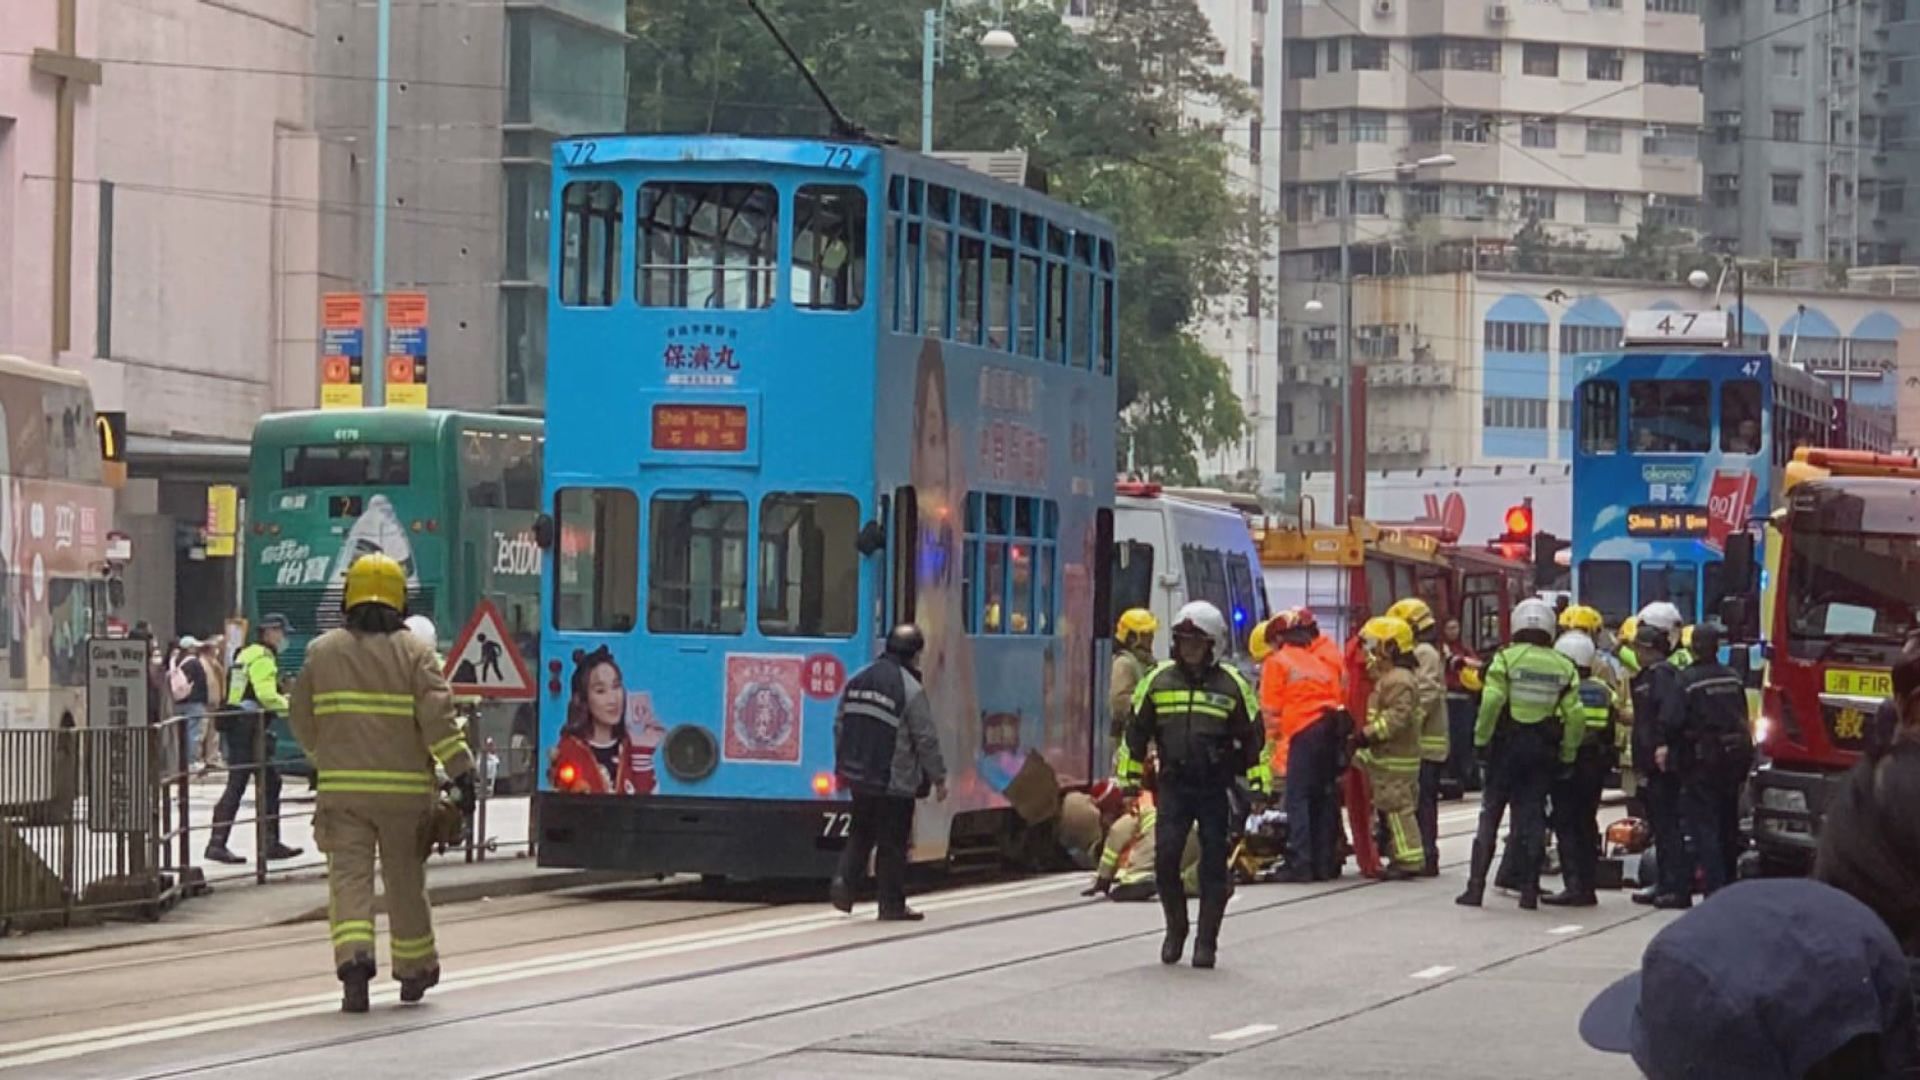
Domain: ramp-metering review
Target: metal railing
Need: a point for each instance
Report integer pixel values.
(99, 823)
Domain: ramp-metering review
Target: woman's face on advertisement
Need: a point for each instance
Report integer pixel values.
(606, 695)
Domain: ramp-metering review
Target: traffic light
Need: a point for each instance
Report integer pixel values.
(1519, 524)
(1546, 566)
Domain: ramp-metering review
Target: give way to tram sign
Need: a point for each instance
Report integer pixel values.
(485, 661)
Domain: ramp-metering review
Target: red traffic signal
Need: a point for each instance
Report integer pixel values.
(1519, 522)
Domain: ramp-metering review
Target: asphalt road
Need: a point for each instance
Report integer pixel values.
(1015, 980)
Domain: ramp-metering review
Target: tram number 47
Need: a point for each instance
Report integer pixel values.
(835, 826)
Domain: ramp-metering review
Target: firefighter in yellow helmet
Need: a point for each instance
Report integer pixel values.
(373, 712)
(1131, 661)
(1430, 672)
(1390, 741)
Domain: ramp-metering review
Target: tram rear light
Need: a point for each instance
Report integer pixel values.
(567, 775)
(823, 784)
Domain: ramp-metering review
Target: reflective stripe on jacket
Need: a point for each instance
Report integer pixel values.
(1430, 678)
(1207, 728)
(1531, 684)
(1393, 724)
(374, 713)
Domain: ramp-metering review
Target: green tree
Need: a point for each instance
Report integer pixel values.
(1102, 113)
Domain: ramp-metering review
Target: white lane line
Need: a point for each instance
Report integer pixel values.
(1433, 972)
(1247, 1032)
(81, 1043)
(1562, 931)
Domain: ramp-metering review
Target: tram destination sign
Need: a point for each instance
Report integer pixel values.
(1667, 521)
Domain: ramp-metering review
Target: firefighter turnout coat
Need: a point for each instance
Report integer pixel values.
(373, 712)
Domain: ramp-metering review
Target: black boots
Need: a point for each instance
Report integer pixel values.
(1207, 942)
(1571, 898)
(1175, 942)
(840, 894)
(355, 975)
(415, 987)
(1474, 895)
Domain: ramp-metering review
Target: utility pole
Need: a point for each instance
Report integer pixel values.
(63, 62)
(374, 367)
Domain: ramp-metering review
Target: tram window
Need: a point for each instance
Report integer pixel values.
(1713, 587)
(707, 245)
(1029, 306)
(1599, 417)
(994, 575)
(1020, 594)
(1608, 586)
(809, 565)
(829, 248)
(1080, 324)
(1132, 575)
(697, 564)
(589, 243)
(1000, 299)
(967, 299)
(890, 274)
(1011, 540)
(597, 564)
(1740, 416)
(1676, 583)
(1056, 311)
(933, 292)
(1669, 416)
(1107, 326)
(908, 319)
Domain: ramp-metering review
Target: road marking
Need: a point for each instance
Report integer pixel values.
(81, 1043)
(1570, 928)
(1247, 1032)
(1433, 972)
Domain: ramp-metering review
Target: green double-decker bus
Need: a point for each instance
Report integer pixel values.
(451, 495)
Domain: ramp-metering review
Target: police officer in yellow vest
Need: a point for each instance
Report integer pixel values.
(1390, 742)
(1575, 817)
(246, 739)
(373, 711)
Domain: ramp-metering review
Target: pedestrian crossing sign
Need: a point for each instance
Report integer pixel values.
(485, 661)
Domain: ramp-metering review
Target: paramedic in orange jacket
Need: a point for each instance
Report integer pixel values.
(1299, 694)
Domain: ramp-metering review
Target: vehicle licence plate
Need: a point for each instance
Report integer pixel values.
(1860, 682)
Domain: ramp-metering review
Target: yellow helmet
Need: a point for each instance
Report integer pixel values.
(376, 579)
(1686, 636)
(1470, 679)
(1414, 612)
(1388, 629)
(1629, 629)
(1257, 646)
(1582, 618)
(1136, 622)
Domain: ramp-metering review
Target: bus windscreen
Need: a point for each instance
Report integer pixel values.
(332, 465)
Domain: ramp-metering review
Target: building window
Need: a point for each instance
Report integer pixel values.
(1470, 127)
(1540, 59)
(1456, 54)
(1330, 129)
(1428, 53)
(1367, 54)
(1606, 65)
(1424, 199)
(1258, 78)
(1786, 189)
(1537, 203)
(1370, 199)
(1603, 136)
(1673, 69)
(1786, 7)
(1333, 55)
(1575, 339)
(1424, 127)
(1726, 190)
(1674, 7)
(1302, 56)
(1369, 127)
(1662, 141)
(1540, 133)
(1515, 337)
(1603, 208)
(1893, 197)
(1253, 140)
(1283, 419)
(1785, 247)
(1896, 10)
(1786, 61)
(1786, 125)
(1525, 414)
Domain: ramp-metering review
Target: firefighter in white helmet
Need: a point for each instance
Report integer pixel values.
(1202, 717)
(373, 711)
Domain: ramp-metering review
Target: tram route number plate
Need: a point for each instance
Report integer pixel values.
(835, 827)
(1859, 682)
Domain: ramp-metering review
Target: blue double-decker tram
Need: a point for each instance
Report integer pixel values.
(800, 391)
(1680, 439)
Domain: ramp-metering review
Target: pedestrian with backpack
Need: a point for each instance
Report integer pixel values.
(188, 683)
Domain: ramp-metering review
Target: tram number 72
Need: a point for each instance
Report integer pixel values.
(835, 828)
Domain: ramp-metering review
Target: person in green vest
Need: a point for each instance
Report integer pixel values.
(246, 739)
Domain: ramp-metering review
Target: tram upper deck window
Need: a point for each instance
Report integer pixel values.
(1599, 417)
(1740, 416)
(829, 248)
(1669, 416)
(708, 245)
(590, 243)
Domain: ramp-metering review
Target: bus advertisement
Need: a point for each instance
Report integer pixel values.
(800, 391)
(1677, 445)
(1843, 561)
(452, 496)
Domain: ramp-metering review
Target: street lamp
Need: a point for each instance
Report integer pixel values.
(1700, 279)
(996, 44)
(1352, 461)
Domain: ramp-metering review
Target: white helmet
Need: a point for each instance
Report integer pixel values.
(1534, 613)
(422, 627)
(1204, 617)
(1663, 618)
(1577, 647)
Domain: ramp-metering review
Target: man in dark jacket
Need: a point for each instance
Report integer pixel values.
(1658, 705)
(886, 755)
(1714, 752)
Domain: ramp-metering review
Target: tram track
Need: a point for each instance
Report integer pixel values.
(404, 1030)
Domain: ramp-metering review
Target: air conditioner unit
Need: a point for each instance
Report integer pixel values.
(1499, 13)
(1491, 191)
(1382, 8)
